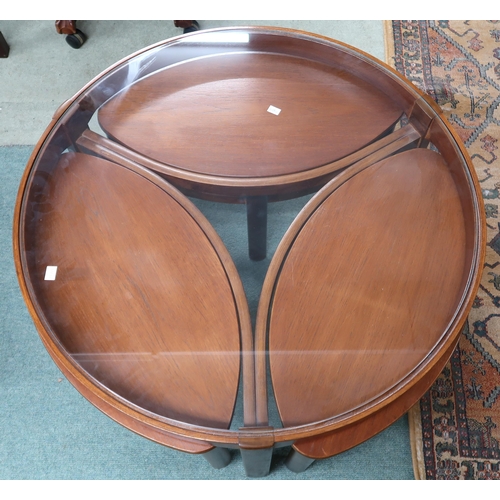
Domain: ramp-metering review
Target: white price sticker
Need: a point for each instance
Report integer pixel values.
(50, 273)
(274, 110)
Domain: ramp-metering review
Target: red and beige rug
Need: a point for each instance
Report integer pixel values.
(455, 428)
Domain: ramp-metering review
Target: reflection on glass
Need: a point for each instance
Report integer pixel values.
(219, 37)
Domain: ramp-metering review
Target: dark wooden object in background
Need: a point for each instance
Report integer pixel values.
(187, 26)
(363, 302)
(4, 46)
(75, 38)
(66, 27)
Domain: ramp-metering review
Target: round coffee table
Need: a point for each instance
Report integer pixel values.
(138, 301)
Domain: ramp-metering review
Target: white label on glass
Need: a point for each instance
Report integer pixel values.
(274, 110)
(50, 273)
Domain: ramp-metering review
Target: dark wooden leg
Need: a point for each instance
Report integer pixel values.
(257, 227)
(257, 462)
(66, 27)
(218, 458)
(297, 462)
(4, 46)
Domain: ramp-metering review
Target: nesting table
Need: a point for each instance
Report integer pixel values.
(137, 299)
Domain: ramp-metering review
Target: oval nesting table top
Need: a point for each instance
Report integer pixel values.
(212, 115)
(133, 291)
(370, 277)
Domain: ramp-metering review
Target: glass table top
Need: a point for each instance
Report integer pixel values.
(131, 237)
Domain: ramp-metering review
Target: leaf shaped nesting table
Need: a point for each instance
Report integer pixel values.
(138, 301)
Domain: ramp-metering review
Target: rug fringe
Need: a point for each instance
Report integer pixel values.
(389, 43)
(417, 452)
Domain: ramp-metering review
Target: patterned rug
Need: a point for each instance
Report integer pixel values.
(455, 428)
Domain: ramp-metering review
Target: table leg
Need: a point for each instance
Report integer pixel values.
(257, 462)
(218, 458)
(257, 226)
(297, 462)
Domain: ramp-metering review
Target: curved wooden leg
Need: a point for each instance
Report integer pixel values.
(218, 458)
(297, 462)
(257, 227)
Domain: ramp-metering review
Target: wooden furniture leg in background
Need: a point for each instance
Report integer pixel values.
(74, 37)
(188, 26)
(4, 46)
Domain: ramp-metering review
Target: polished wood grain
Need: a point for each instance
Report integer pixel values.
(211, 115)
(132, 305)
(367, 288)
